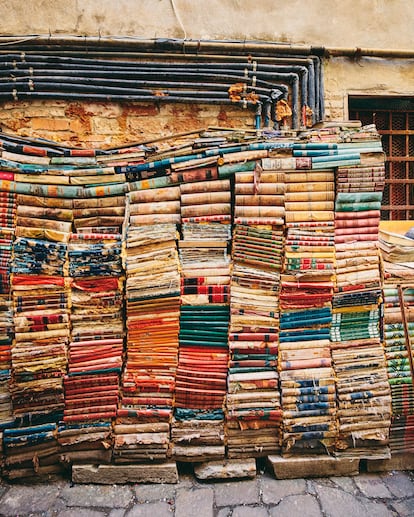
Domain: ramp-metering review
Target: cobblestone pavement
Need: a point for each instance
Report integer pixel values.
(366, 495)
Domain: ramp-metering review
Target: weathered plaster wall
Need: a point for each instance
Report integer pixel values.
(365, 76)
(349, 23)
(363, 23)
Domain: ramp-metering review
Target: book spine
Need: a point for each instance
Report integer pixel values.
(202, 210)
(205, 186)
(94, 212)
(307, 178)
(206, 198)
(310, 205)
(99, 221)
(151, 183)
(43, 202)
(259, 200)
(314, 216)
(230, 169)
(357, 223)
(259, 211)
(161, 207)
(315, 145)
(199, 174)
(155, 219)
(205, 289)
(243, 156)
(39, 212)
(155, 195)
(113, 201)
(205, 281)
(310, 196)
(7, 175)
(49, 224)
(259, 189)
(264, 177)
(286, 163)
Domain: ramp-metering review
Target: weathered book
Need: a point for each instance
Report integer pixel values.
(208, 209)
(206, 198)
(161, 207)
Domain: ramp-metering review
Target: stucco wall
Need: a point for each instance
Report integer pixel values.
(366, 76)
(349, 23)
(363, 23)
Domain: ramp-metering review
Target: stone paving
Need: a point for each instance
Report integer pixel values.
(366, 495)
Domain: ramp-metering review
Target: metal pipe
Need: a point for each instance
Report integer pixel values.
(124, 68)
(198, 46)
(14, 95)
(114, 54)
(135, 75)
(183, 45)
(18, 88)
(32, 81)
(50, 75)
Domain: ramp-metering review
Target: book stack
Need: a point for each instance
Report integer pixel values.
(82, 171)
(359, 361)
(201, 383)
(152, 318)
(96, 346)
(31, 451)
(39, 350)
(360, 179)
(8, 209)
(357, 216)
(307, 282)
(103, 212)
(89, 442)
(253, 399)
(364, 402)
(198, 425)
(398, 339)
(397, 250)
(7, 228)
(41, 320)
(47, 218)
(6, 339)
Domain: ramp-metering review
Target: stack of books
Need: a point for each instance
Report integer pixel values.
(307, 282)
(96, 348)
(152, 319)
(253, 399)
(397, 250)
(398, 340)
(6, 339)
(7, 228)
(203, 340)
(364, 400)
(106, 212)
(39, 352)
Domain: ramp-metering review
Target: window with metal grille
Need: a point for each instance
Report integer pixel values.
(394, 119)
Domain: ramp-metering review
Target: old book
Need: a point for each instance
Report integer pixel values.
(205, 186)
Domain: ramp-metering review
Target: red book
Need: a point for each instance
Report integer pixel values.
(9, 176)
